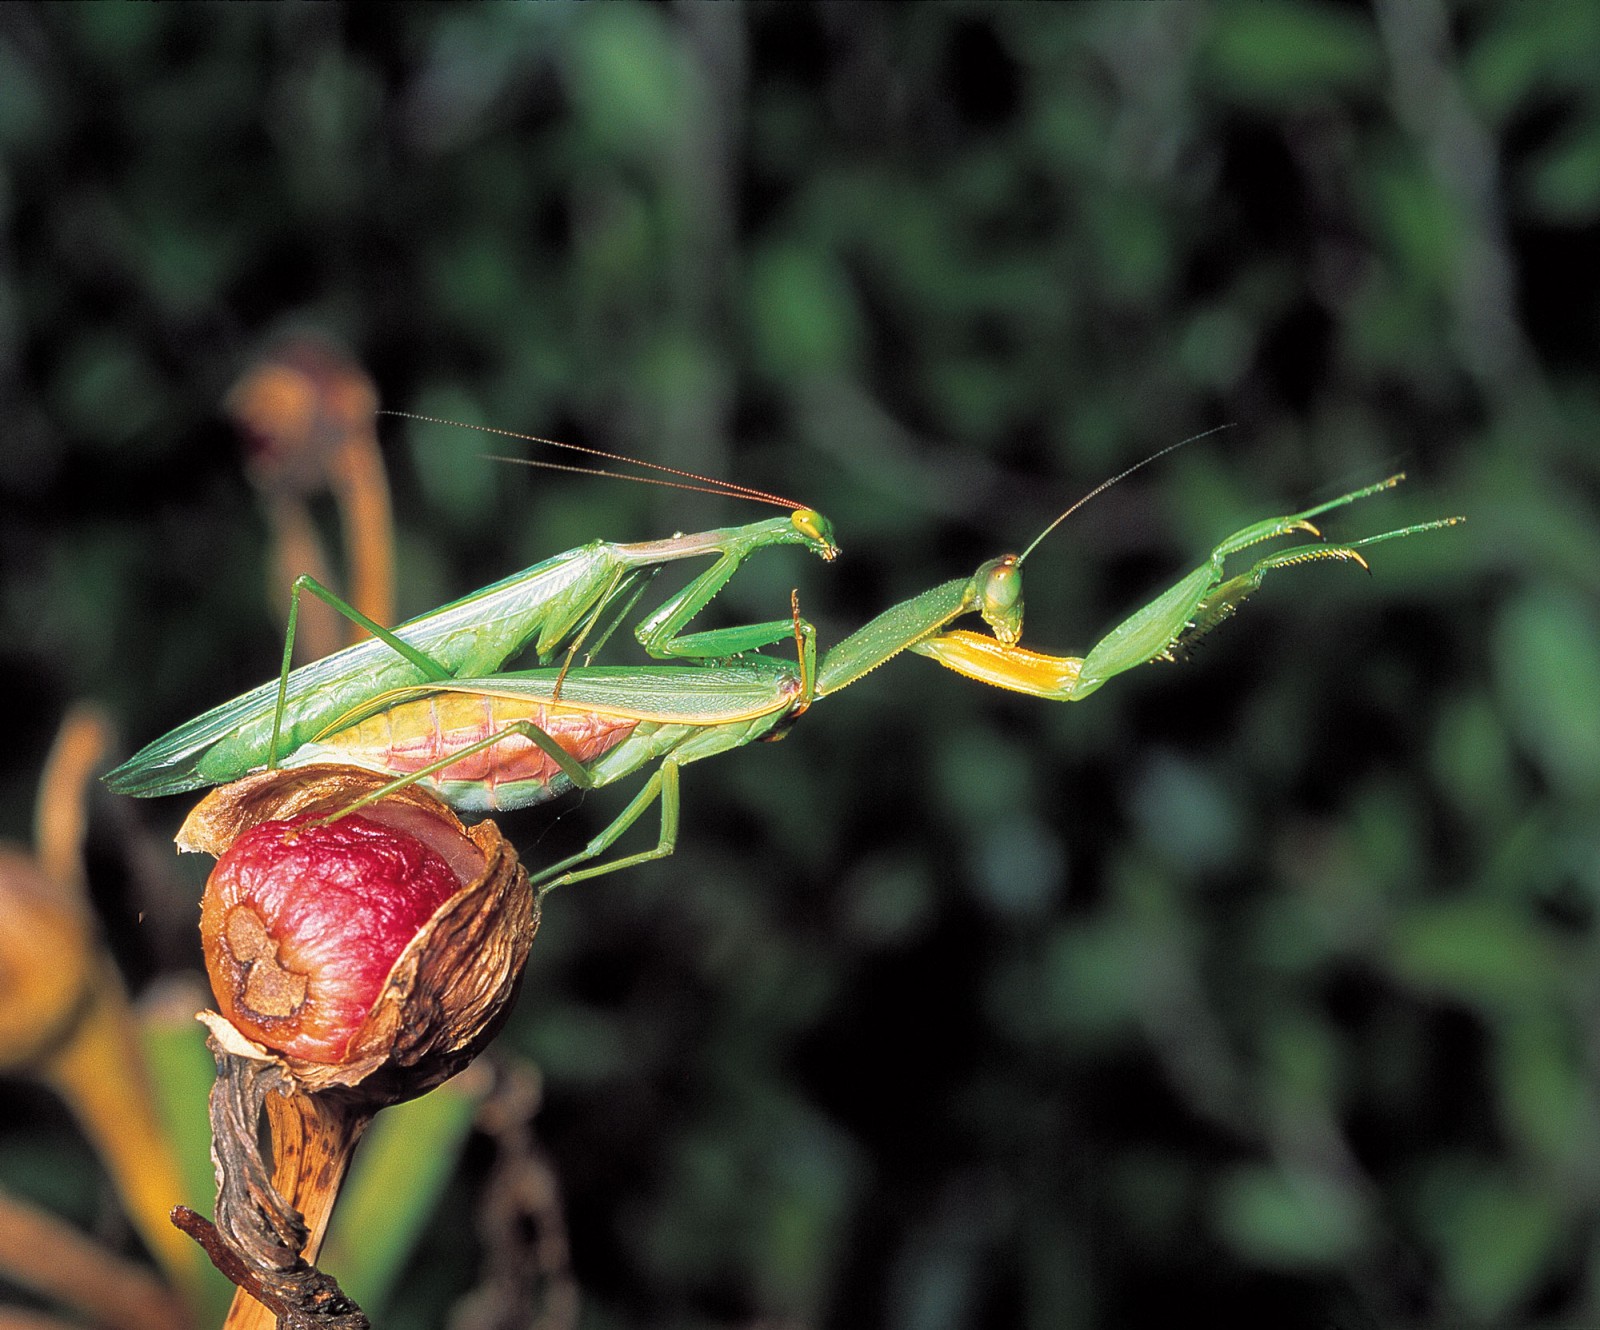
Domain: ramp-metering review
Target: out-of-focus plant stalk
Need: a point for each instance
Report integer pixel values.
(51, 1258)
(362, 488)
(66, 1018)
(295, 548)
(307, 412)
(98, 1071)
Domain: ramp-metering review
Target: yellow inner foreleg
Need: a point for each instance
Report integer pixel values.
(989, 661)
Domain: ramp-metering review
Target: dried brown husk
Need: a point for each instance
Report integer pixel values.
(450, 989)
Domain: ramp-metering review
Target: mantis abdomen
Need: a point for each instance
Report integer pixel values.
(512, 772)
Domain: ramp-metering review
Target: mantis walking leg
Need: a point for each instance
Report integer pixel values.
(663, 785)
(431, 669)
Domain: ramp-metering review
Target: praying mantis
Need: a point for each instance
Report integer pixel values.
(428, 702)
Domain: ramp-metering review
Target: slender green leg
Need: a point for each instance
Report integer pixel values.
(1222, 600)
(1203, 600)
(1257, 532)
(430, 668)
(659, 633)
(805, 650)
(601, 602)
(663, 786)
(622, 613)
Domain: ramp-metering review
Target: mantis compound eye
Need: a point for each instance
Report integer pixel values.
(1000, 597)
(817, 530)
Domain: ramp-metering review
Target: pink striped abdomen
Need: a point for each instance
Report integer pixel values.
(511, 773)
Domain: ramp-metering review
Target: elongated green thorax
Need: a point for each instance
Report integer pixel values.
(994, 591)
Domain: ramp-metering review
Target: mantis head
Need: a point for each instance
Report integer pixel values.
(997, 586)
(816, 531)
(998, 589)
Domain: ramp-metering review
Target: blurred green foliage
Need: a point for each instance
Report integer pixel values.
(1266, 982)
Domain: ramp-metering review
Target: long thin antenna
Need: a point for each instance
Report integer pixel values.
(705, 485)
(1104, 485)
(726, 490)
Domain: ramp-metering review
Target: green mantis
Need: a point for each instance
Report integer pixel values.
(564, 604)
(428, 702)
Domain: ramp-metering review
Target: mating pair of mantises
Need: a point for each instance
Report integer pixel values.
(428, 702)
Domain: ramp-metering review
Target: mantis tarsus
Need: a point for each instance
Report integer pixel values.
(426, 704)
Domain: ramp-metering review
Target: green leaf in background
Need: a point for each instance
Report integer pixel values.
(1524, 51)
(1418, 217)
(1544, 1092)
(456, 465)
(1564, 184)
(23, 104)
(1497, 1236)
(1291, 1218)
(107, 391)
(1547, 671)
(1273, 54)
(1480, 953)
(182, 1071)
(802, 312)
(629, 81)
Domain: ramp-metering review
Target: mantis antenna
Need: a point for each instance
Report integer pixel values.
(1104, 485)
(688, 480)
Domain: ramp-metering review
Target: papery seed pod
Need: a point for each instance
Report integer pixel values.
(360, 963)
(380, 950)
(302, 920)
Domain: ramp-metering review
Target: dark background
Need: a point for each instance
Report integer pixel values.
(1265, 983)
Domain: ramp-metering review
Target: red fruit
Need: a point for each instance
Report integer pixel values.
(302, 925)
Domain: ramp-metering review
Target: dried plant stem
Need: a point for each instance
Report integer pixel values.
(308, 410)
(49, 1257)
(93, 1058)
(14, 1318)
(313, 1139)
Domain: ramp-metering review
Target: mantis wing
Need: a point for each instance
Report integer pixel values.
(473, 634)
(170, 764)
